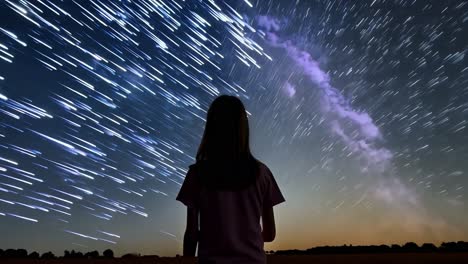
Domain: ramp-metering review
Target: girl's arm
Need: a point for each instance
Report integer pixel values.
(191, 232)
(268, 224)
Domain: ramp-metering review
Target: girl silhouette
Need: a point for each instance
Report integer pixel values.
(228, 191)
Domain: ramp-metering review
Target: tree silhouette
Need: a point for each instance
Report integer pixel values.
(21, 253)
(396, 248)
(33, 255)
(108, 253)
(74, 254)
(410, 247)
(428, 247)
(459, 246)
(92, 254)
(462, 246)
(47, 255)
(10, 253)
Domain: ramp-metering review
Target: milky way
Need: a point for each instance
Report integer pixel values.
(360, 109)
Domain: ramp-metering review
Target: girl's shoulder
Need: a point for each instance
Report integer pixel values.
(263, 167)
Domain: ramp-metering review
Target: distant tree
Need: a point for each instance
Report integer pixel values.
(74, 254)
(47, 255)
(92, 254)
(33, 255)
(66, 254)
(448, 246)
(410, 247)
(1, 253)
(384, 248)
(459, 246)
(428, 247)
(395, 246)
(462, 246)
(21, 253)
(108, 253)
(10, 253)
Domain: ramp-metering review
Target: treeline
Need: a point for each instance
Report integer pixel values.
(23, 253)
(410, 247)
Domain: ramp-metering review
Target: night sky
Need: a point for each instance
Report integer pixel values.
(359, 108)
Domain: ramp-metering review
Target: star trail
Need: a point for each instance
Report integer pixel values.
(359, 108)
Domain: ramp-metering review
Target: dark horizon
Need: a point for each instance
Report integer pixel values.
(408, 247)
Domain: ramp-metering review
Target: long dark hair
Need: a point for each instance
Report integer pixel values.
(224, 156)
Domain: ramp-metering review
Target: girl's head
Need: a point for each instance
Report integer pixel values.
(226, 135)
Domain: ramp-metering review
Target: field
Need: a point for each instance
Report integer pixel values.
(395, 258)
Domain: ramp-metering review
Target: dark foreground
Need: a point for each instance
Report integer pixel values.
(397, 258)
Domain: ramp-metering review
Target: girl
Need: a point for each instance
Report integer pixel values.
(228, 191)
